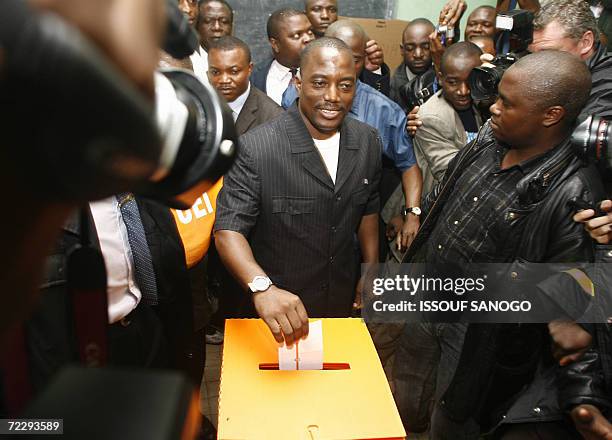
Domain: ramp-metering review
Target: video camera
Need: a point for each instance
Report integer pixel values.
(516, 34)
(76, 129)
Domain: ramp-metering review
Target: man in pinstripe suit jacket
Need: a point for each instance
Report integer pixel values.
(287, 214)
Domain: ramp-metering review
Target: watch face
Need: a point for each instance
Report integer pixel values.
(261, 284)
(416, 211)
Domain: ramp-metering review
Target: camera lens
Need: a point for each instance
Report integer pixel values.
(205, 139)
(484, 81)
(590, 139)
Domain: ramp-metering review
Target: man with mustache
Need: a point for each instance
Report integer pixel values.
(302, 188)
(213, 20)
(380, 112)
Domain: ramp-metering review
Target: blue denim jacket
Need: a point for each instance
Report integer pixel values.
(380, 112)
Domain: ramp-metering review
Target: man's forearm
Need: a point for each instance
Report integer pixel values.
(237, 256)
(412, 183)
(368, 238)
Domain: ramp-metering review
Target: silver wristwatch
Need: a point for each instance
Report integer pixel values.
(412, 210)
(260, 284)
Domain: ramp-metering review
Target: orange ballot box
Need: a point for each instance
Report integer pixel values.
(341, 402)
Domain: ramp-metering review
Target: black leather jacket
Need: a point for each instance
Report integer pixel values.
(589, 380)
(600, 100)
(544, 232)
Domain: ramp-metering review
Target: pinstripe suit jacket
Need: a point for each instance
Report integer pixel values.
(301, 227)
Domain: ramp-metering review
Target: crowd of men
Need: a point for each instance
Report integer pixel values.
(344, 161)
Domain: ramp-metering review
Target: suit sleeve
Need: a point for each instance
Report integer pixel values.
(239, 200)
(434, 142)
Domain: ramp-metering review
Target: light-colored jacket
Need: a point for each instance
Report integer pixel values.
(438, 140)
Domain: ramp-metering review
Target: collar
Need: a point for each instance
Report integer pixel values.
(279, 71)
(202, 52)
(237, 104)
(400, 71)
(301, 142)
(410, 75)
(524, 167)
(300, 138)
(599, 54)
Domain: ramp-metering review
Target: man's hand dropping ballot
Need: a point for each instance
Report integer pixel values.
(305, 354)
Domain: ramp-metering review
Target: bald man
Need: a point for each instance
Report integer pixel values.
(494, 206)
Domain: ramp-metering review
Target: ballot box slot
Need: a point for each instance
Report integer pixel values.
(327, 366)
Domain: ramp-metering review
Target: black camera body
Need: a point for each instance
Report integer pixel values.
(484, 80)
(516, 33)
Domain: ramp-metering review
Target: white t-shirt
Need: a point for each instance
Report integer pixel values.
(329, 150)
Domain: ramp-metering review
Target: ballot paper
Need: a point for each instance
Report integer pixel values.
(306, 354)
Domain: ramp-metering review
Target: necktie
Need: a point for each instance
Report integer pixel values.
(291, 84)
(294, 72)
(143, 263)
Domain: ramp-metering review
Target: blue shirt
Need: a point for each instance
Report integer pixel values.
(375, 109)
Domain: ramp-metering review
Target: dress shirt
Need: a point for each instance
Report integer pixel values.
(375, 109)
(123, 292)
(277, 81)
(237, 104)
(199, 60)
(409, 74)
